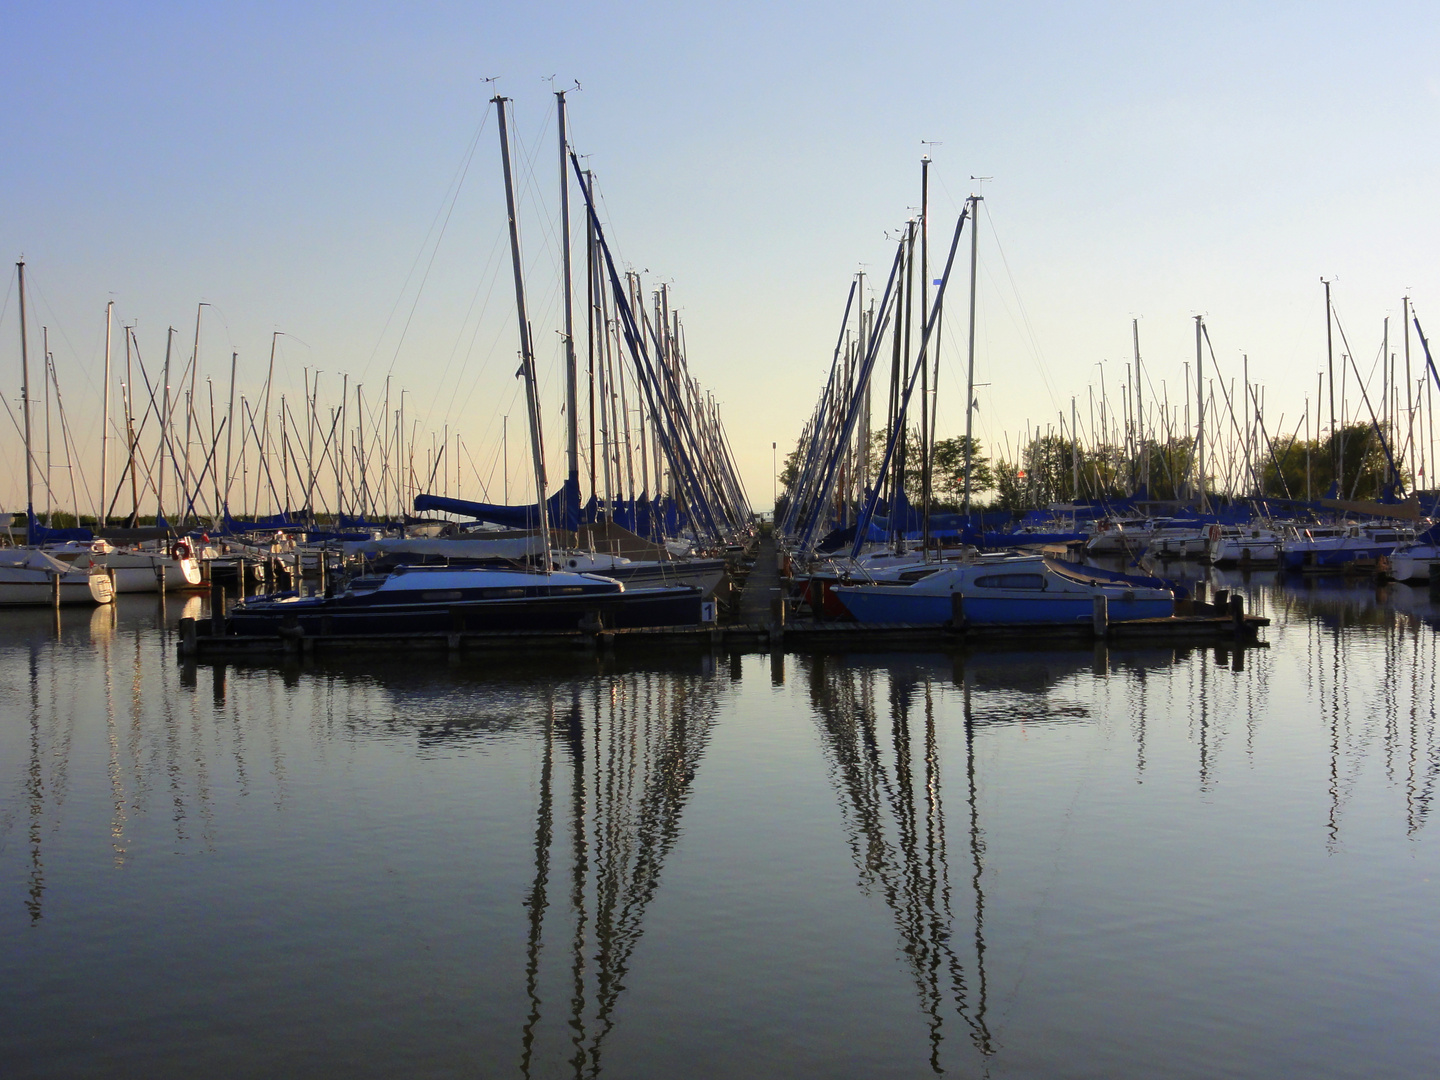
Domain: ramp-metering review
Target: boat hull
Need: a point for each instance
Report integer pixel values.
(140, 573)
(886, 604)
(24, 587)
(632, 609)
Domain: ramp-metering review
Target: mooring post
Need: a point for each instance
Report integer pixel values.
(188, 640)
(1100, 615)
(957, 611)
(1434, 583)
(1222, 601)
(1199, 597)
(1237, 612)
(55, 591)
(777, 618)
(217, 607)
(160, 581)
(321, 586)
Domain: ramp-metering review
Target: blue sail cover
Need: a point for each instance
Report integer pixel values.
(562, 509)
(262, 524)
(35, 533)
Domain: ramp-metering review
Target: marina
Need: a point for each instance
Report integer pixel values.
(414, 663)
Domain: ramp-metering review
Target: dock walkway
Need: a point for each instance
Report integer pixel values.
(762, 587)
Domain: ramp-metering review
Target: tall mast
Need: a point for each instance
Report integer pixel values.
(25, 401)
(363, 490)
(926, 408)
(1200, 408)
(1249, 431)
(105, 414)
(164, 430)
(1074, 453)
(229, 432)
(527, 355)
(190, 408)
(970, 362)
(590, 287)
(1409, 393)
(572, 393)
(1330, 367)
(1385, 362)
(48, 382)
(265, 414)
(130, 429)
(1140, 411)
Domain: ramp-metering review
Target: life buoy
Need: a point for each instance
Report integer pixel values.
(180, 550)
(1215, 532)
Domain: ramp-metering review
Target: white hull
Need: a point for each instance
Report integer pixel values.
(1416, 564)
(1240, 549)
(28, 586)
(139, 572)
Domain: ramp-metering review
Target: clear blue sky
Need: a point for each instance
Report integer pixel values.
(287, 163)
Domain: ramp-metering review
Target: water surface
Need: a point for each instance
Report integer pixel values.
(1178, 862)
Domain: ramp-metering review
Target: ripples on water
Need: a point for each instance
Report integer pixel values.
(1192, 862)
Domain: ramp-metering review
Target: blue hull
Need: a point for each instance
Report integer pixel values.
(875, 607)
(1333, 559)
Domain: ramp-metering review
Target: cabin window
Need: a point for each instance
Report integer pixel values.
(1011, 581)
(569, 590)
(500, 594)
(441, 594)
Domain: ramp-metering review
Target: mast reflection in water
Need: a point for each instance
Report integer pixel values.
(887, 776)
(620, 758)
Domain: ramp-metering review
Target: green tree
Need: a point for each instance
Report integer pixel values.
(948, 470)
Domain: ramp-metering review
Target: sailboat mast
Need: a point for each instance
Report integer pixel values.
(130, 435)
(25, 401)
(105, 414)
(1140, 410)
(164, 430)
(1200, 408)
(187, 475)
(927, 410)
(229, 433)
(1330, 367)
(970, 362)
(572, 391)
(527, 355)
(1409, 394)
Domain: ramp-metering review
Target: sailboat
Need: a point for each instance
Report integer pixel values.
(28, 575)
(1009, 589)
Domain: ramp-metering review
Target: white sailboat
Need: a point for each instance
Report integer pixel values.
(28, 575)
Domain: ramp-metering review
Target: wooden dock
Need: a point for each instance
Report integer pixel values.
(196, 640)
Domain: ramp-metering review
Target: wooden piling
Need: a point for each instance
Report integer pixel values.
(217, 607)
(1100, 616)
(957, 611)
(189, 646)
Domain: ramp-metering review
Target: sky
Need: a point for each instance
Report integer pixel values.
(331, 172)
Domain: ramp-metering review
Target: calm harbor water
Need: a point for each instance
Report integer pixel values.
(1181, 863)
